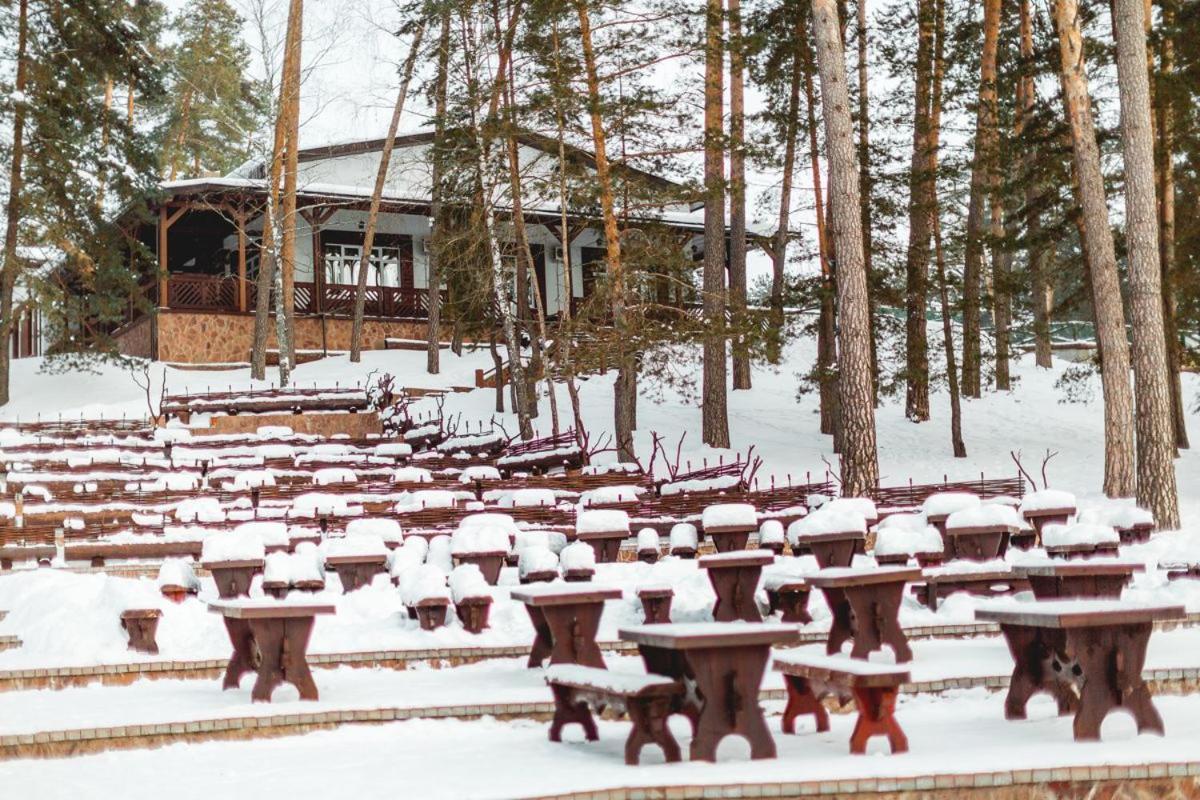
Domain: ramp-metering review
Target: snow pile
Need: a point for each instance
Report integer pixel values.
(471, 441)
(304, 567)
(610, 495)
(467, 583)
(537, 559)
(43, 493)
(271, 534)
(605, 680)
(827, 519)
(410, 554)
(430, 498)
(730, 515)
(816, 500)
(177, 572)
(330, 476)
(1048, 500)
(392, 450)
(388, 530)
(860, 505)
(489, 520)
(897, 540)
(943, 504)
(578, 557)
(412, 475)
(986, 516)
(1081, 533)
(530, 456)
(423, 431)
(200, 509)
(479, 539)
(1123, 517)
(523, 498)
(700, 485)
(330, 449)
(274, 432)
(684, 535)
(232, 546)
(909, 522)
(605, 520)
(171, 482)
(439, 554)
(611, 468)
(647, 539)
(321, 504)
(771, 532)
(172, 435)
(479, 473)
(423, 583)
(361, 545)
(250, 479)
(554, 540)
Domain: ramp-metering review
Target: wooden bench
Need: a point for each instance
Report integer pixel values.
(141, 624)
(656, 603)
(647, 699)
(873, 686)
(473, 613)
(789, 595)
(431, 612)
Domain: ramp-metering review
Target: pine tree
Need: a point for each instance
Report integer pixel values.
(215, 110)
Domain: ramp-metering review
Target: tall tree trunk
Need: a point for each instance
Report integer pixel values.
(860, 458)
(1155, 421)
(920, 207)
(737, 195)
(625, 387)
(779, 246)
(381, 175)
(865, 182)
(1041, 290)
(567, 290)
(13, 210)
(1166, 232)
(982, 166)
(1001, 291)
(287, 249)
(268, 257)
(714, 413)
(827, 316)
(433, 348)
(1102, 261)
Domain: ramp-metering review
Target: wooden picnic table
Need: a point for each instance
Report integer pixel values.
(358, 571)
(1083, 579)
(734, 577)
(277, 633)
(566, 618)
(606, 544)
(1088, 654)
(233, 577)
(866, 608)
(834, 549)
(728, 538)
(721, 666)
(942, 581)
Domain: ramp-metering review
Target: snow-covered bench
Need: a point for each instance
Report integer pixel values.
(647, 699)
(809, 677)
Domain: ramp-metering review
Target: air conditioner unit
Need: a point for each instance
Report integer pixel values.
(558, 254)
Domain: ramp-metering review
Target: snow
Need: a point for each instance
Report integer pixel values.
(771, 532)
(1047, 500)
(470, 441)
(729, 515)
(232, 546)
(467, 583)
(322, 504)
(859, 505)
(577, 556)
(387, 529)
(177, 572)
(289, 569)
(606, 469)
(908, 522)
(412, 475)
(699, 485)
(825, 520)
(647, 539)
(943, 504)
(271, 534)
(1080, 533)
(361, 544)
(855, 666)
(522, 498)
(245, 480)
(489, 519)
(604, 679)
(602, 520)
(554, 540)
(423, 583)
(479, 539)
(440, 554)
(896, 540)
(986, 516)
(334, 475)
(610, 495)
(479, 473)
(200, 509)
(431, 498)
(684, 535)
(517, 459)
(536, 558)
(392, 449)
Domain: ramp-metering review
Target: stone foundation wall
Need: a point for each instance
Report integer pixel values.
(137, 339)
(199, 338)
(355, 425)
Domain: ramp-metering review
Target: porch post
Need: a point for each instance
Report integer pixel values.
(241, 267)
(318, 264)
(163, 227)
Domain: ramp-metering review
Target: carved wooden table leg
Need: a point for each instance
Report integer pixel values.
(567, 710)
(673, 664)
(1037, 667)
(656, 608)
(841, 629)
(233, 581)
(649, 717)
(876, 609)
(735, 587)
(141, 625)
(876, 715)
(283, 645)
(836, 553)
(245, 656)
(1111, 659)
(543, 644)
(573, 629)
(801, 699)
(730, 541)
(728, 680)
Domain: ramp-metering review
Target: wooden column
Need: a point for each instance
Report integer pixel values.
(163, 227)
(241, 265)
(318, 264)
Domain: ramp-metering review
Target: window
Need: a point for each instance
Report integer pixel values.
(341, 264)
